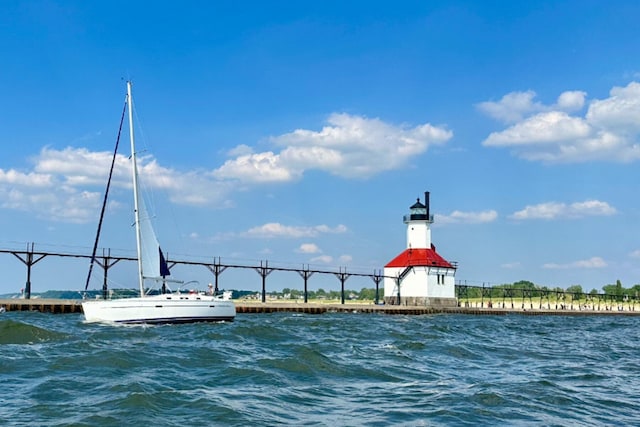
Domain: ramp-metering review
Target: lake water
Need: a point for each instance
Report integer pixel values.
(325, 370)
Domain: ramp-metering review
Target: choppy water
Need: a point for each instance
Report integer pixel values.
(331, 369)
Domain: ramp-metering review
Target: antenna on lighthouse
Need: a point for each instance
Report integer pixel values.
(426, 203)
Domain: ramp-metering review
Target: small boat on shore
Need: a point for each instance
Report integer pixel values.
(152, 267)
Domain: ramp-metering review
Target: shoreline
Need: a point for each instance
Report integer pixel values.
(65, 306)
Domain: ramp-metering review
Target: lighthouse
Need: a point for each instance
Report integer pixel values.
(419, 275)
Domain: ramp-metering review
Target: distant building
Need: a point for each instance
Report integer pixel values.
(419, 275)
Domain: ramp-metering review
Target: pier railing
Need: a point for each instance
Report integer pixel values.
(29, 257)
(469, 296)
(508, 297)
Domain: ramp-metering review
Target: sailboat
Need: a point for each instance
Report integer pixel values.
(152, 266)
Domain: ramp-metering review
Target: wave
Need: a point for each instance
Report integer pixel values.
(15, 332)
(332, 369)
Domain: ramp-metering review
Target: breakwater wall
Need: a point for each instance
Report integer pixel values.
(75, 306)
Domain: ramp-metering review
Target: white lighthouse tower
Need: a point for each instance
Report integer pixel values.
(419, 276)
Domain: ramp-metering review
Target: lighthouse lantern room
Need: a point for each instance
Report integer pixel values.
(419, 275)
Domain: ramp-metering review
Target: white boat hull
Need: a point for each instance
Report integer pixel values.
(168, 308)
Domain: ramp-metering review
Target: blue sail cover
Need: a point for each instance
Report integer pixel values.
(164, 268)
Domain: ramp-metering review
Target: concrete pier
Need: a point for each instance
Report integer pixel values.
(59, 306)
(42, 305)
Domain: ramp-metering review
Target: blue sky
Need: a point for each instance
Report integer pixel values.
(301, 133)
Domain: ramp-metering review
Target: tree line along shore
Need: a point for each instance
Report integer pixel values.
(518, 294)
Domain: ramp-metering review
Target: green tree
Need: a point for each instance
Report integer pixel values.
(474, 292)
(617, 290)
(576, 290)
(524, 284)
(367, 294)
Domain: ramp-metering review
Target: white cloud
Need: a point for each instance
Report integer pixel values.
(31, 179)
(323, 259)
(608, 130)
(345, 258)
(274, 229)
(79, 166)
(511, 265)
(65, 185)
(68, 185)
(62, 205)
(312, 248)
(571, 100)
(457, 217)
(543, 128)
(594, 262)
(240, 150)
(635, 254)
(349, 146)
(555, 210)
(514, 106)
(260, 167)
(511, 107)
(50, 191)
(309, 248)
(620, 110)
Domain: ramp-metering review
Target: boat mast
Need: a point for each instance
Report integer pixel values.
(136, 211)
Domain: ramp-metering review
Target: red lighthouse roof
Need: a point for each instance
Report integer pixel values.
(419, 257)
